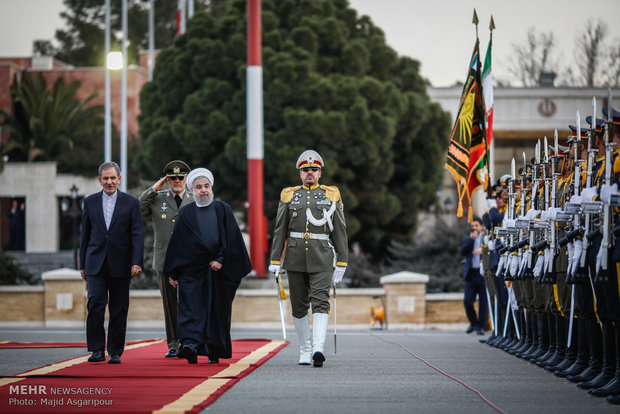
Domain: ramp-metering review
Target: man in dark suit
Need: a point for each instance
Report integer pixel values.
(111, 252)
(474, 282)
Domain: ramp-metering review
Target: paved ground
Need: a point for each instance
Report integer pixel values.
(415, 371)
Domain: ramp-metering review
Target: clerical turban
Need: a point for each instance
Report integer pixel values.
(196, 173)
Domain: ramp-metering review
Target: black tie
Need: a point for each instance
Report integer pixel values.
(177, 198)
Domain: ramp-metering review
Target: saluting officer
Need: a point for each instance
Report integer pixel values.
(163, 206)
(311, 222)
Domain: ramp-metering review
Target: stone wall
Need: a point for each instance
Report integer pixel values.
(62, 302)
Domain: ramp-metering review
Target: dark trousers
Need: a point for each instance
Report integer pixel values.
(171, 309)
(474, 286)
(104, 290)
(194, 308)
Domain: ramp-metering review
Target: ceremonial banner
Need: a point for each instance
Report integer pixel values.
(467, 149)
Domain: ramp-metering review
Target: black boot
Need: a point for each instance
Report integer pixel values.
(494, 339)
(614, 399)
(613, 386)
(519, 342)
(560, 342)
(595, 345)
(542, 338)
(531, 341)
(551, 340)
(570, 354)
(609, 360)
(581, 362)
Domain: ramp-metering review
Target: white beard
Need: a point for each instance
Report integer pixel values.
(204, 201)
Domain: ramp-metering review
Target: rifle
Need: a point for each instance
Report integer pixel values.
(602, 275)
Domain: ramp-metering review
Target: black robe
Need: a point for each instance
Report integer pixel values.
(206, 296)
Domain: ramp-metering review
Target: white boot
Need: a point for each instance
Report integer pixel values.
(303, 333)
(319, 330)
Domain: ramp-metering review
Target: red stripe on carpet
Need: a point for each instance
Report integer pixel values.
(145, 381)
(9, 344)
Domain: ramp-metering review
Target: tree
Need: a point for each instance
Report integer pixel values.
(589, 51)
(51, 124)
(82, 43)
(330, 83)
(611, 72)
(534, 57)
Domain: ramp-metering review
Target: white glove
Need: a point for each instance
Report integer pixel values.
(607, 191)
(481, 269)
(538, 267)
(588, 194)
(275, 269)
(599, 259)
(491, 203)
(576, 199)
(569, 250)
(338, 274)
(500, 266)
(576, 256)
(553, 212)
(491, 244)
(531, 214)
(514, 265)
(547, 259)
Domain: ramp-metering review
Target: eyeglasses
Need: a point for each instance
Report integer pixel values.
(313, 169)
(176, 177)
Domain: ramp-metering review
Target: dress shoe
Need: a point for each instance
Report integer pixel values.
(190, 354)
(97, 356)
(214, 360)
(172, 353)
(479, 331)
(114, 359)
(469, 329)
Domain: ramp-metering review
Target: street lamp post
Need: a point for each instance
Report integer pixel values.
(74, 212)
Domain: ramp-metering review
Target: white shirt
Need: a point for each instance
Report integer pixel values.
(108, 203)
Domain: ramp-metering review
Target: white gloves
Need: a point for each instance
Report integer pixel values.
(607, 191)
(338, 274)
(538, 267)
(275, 269)
(576, 256)
(588, 194)
(514, 265)
(569, 250)
(547, 267)
(576, 199)
(500, 266)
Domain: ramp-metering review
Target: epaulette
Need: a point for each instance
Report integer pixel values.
(331, 192)
(287, 194)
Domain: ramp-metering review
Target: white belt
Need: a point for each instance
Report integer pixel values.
(315, 236)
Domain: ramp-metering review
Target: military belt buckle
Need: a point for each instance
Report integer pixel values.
(307, 235)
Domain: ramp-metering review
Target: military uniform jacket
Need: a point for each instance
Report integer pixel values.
(162, 207)
(310, 248)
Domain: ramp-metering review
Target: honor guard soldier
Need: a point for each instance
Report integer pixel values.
(311, 223)
(163, 206)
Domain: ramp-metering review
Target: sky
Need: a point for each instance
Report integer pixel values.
(438, 33)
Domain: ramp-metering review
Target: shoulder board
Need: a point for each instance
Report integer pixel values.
(331, 192)
(287, 194)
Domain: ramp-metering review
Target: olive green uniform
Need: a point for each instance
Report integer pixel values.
(162, 207)
(312, 251)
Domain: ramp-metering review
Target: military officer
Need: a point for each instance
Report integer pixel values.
(163, 206)
(310, 221)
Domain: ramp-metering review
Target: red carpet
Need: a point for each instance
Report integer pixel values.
(14, 345)
(144, 382)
